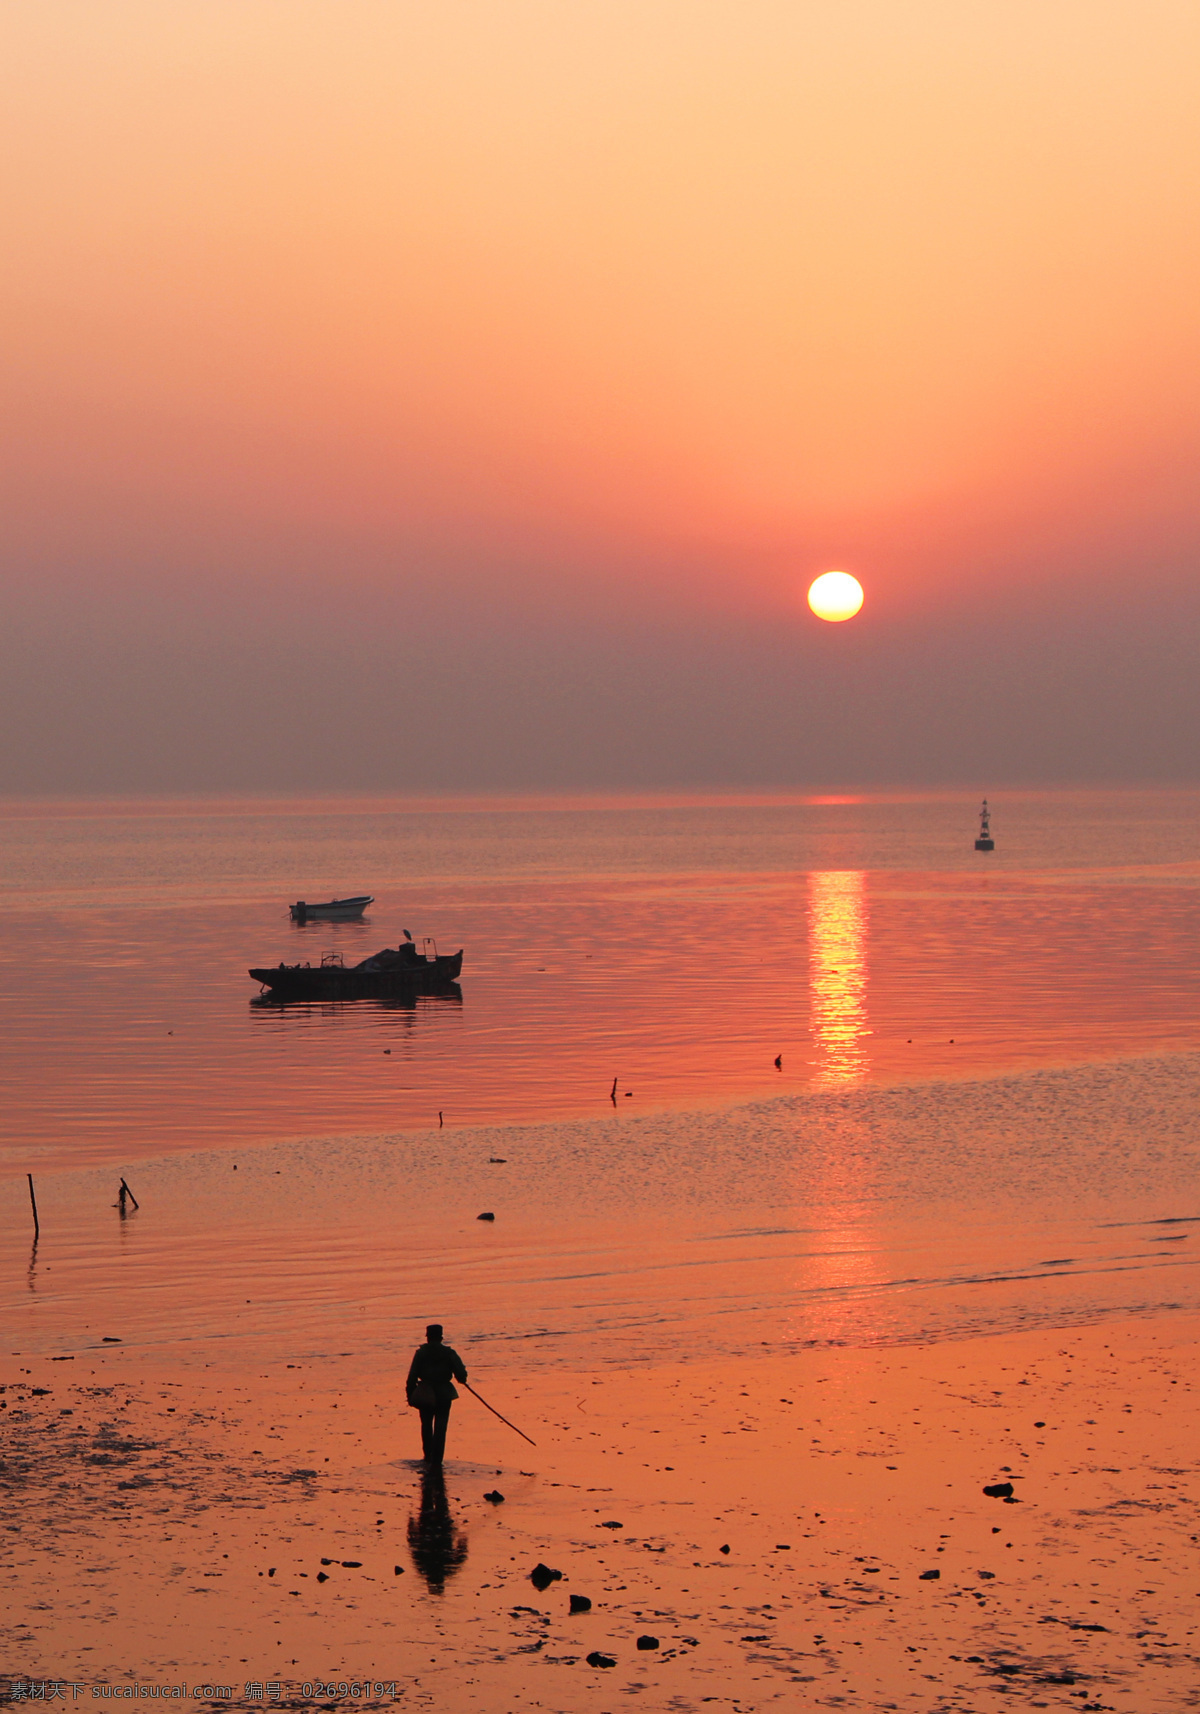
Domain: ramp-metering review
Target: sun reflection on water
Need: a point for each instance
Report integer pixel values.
(837, 917)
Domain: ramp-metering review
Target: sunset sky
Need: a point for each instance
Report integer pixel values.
(463, 394)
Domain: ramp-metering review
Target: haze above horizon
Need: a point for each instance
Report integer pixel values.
(430, 398)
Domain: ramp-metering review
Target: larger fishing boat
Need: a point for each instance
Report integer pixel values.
(396, 970)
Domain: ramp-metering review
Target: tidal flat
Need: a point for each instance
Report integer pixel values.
(802, 1531)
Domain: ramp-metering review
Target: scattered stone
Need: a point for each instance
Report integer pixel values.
(397, 1571)
(611, 1524)
(328, 1562)
(497, 1160)
(485, 1217)
(580, 1604)
(111, 1339)
(496, 1497)
(598, 1659)
(40, 1392)
(1039, 1425)
(542, 1576)
(352, 1564)
(647, 1642)
(271, 1569)
(999, 1490)
(930, 1576)
(322, 1577)
(724, 1548)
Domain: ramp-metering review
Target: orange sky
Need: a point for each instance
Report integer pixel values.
(691, 297)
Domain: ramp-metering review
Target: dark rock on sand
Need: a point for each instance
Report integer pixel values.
(496, 1497)
(598, 1659)
(930, 1576)
(322, 1577)
(647, 1642)
(724, 1548)
(485, 1217)
(581, 1604)
(542, 1576)
(999, 1490)
(352, 1564)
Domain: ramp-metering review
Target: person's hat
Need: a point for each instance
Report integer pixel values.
(434, 1330)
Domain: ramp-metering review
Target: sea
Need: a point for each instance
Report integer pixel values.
(729, 1073)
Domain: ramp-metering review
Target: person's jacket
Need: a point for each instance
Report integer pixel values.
(438, 1366)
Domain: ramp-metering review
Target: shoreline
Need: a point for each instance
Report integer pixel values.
(151, 1515)
(602, 1114)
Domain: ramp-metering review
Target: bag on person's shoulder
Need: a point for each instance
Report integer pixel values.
(421, 1395)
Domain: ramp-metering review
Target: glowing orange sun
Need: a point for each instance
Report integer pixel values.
(835, 596)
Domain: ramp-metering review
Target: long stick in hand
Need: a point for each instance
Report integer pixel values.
(495, 1412)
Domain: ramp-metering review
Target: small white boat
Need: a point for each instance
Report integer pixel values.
(333, 910)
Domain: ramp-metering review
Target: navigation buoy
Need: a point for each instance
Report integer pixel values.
(985, 842)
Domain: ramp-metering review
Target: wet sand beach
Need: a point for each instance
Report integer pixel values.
(806, 1530)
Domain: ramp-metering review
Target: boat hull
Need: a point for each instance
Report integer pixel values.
(333, 982)
(333, 910)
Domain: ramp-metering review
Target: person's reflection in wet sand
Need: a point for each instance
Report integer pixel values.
(437, 1544)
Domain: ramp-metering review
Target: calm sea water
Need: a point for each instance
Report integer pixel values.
(985, 1115)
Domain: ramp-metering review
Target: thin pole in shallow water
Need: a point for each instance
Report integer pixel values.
(495, 1412)
(33, 1204)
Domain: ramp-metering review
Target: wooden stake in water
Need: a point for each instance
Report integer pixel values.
(126, 1192)
(33, 1204)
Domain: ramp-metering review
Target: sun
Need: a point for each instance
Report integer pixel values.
(835, 595)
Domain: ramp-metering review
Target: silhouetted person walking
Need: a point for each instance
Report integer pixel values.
(431, 1390)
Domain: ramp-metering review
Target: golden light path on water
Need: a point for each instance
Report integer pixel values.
(846, 1261)
(837, 955)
